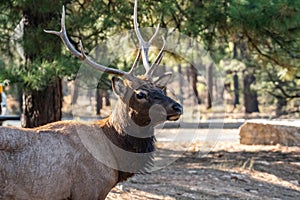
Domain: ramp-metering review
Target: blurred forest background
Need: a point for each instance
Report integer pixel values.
(254, 43)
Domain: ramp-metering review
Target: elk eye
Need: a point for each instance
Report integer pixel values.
(140, 95)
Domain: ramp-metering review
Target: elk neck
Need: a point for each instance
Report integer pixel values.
(127, 122)
(130, 137)
(128, 134)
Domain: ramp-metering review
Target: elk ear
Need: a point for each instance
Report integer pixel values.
(118, 87)
(163, 80)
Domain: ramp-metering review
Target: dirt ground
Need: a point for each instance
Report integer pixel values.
(228, 171)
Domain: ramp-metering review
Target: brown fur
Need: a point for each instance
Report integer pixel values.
(72, 160)
(52, 161)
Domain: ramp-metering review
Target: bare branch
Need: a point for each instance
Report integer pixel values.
(260, 51)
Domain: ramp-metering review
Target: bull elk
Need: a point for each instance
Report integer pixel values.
(51, 161)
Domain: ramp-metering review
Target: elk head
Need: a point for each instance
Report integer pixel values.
(141, 98)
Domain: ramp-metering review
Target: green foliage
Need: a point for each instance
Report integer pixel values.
(272, 81)
(267, 31)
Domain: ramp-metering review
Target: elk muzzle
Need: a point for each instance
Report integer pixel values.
(174, 111)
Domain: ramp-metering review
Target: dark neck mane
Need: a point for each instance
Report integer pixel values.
(125, 134)
(130, 143)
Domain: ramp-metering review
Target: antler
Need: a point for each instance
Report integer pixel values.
(135, 64)
(81, 55)
(145, 46)
(144, 49)
(157, 60)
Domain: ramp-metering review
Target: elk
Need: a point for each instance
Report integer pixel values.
(52, 161)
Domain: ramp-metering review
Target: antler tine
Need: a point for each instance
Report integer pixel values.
(143, 44)
(157, 59)
(81, 55)
(136, 25)
(63, 35)
(135, 64)
(155, 34)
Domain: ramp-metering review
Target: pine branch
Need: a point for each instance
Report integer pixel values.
(260, 51)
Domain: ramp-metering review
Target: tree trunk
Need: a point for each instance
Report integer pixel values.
(100, 95)
(280, 106)
(193, 74)
(236, 90)
(74, 93)
(43, 106)
(99, 101)
(250, 96)
(106, 98)
(209, 77)
(180, 81)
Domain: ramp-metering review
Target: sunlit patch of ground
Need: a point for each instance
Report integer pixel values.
(228, 171)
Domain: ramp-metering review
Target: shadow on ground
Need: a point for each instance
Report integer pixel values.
(249, 172)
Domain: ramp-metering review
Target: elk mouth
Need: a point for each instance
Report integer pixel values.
(176, 112)
(174, 117)
(161, 114)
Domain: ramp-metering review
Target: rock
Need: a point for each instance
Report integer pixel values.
(239, 177)
(253, 191)
(269, 133)
(262, 162)
(295, 182)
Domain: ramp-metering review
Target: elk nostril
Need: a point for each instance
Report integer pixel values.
(178, 108)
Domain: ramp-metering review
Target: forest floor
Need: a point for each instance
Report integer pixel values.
(228, 171)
